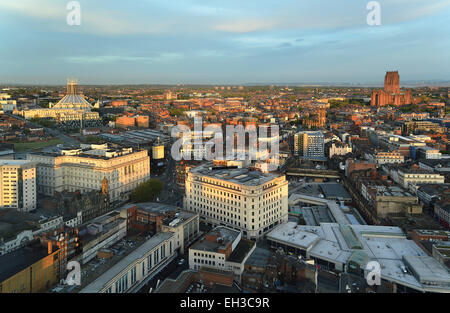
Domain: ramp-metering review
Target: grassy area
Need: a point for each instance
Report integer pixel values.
(20, 146)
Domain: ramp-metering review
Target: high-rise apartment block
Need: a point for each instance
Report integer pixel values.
(309, 144)
(18, 185)
(245, 200)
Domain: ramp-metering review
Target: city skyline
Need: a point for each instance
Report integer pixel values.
(252, 149)
(190, 42)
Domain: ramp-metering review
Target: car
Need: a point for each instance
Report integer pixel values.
(181, 262)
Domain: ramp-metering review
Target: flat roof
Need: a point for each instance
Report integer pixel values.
(241, 176)
(153, 207)
(434, 162)
(15, 162)
(334, 191)
(294, 235)
(17, 260)
(227, 234)
(259, 257)
(385, 244)
(435, 189)
(170, 285)
(180, 218)
(241, 251)
(427, 269)
(139, 253)
(334, 208)
(219, 288)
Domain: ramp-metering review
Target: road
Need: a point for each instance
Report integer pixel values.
(56, 133)
(171, 193)
(171, 270)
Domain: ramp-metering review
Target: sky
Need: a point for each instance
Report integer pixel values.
(223, 41)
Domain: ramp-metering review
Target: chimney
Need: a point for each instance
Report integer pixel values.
(49, 247)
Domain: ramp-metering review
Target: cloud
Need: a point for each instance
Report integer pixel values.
(246, 25)
(207, 40)
(234, 17)
(35, 8)
(95, 59)
(94, 20)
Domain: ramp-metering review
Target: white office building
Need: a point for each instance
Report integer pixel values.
(86, 168)
(222, 248)
(245, 200)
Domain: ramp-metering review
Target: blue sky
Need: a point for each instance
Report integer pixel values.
(223, 42)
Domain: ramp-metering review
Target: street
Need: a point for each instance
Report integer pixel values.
(171, 193)
(54, 132)
(171, 270)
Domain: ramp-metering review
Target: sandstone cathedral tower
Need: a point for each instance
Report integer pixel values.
(391, 93)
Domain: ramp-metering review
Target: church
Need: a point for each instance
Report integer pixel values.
(391, 93)
(72, 107)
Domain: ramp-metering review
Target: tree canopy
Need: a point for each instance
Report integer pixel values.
(176, 112)
(147, 191)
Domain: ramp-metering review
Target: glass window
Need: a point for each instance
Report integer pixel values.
(133, 275)
(149, 262)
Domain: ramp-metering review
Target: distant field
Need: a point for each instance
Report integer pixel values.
(20, 146)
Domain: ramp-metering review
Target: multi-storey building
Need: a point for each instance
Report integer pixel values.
(352, 165)
(132, 272)
(410, 178)
(30, 269)
(222, 248)
(185, 226)
(152, 217)
(385, 157)
(316, 115)
(405, 267)
(413, 127)
(94, 168)
(309, 144)
(400, 144)
(339, 149)
(245, 200)
(6, 103)
(429, 194)
(18, 185)
(102, 232)
(442, 212)
(428, 153)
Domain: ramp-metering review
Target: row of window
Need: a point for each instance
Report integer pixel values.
(152, 260)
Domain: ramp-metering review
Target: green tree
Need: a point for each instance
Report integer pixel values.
(93, 139)
(147, 191)
(176, 112)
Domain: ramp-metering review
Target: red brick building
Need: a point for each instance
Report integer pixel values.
(391, 93)
(119, 103)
